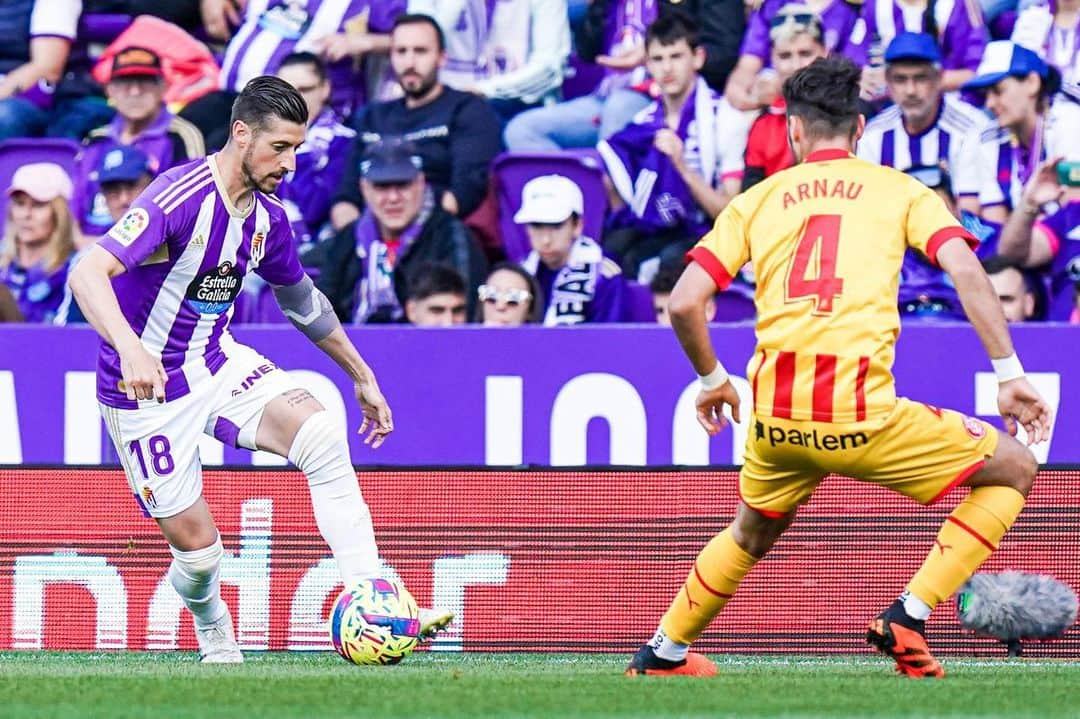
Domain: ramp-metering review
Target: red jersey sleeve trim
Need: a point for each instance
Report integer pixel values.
(1051, 237)
(710, 264)
(945, 234)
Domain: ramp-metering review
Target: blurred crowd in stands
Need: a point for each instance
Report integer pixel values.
(508, 162)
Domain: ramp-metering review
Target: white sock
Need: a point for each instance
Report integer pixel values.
(195, 576)
(666, 648)
(321, 452)
(915, 607)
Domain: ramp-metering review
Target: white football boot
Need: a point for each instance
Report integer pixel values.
(433, 621)
(217, 642)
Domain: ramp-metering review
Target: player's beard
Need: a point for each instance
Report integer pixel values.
(265, 184)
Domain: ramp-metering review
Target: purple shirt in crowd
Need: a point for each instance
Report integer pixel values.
(320, 164)
(1063, 229)
(39, 294)
(186, 251)
(89, 204)
(844, 30)
(273, 29)
(961, 34)
(626, 28)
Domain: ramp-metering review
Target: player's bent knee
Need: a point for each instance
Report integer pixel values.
(320, 449)
(1013, 465)
(199, 563)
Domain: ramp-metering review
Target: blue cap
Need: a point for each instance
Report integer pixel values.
(917, 46)
(391, 161)
(1004, 58)
(125, 163)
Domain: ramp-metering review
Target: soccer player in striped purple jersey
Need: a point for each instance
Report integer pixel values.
(159, 288)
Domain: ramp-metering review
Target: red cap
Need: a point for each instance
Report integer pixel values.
(136, 62)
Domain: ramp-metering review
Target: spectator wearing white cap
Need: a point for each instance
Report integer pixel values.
(579, 283)
(40, 238)
(1035, 123)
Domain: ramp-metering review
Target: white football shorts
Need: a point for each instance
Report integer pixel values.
(158, 444)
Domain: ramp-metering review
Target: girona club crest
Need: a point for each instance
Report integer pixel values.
(974, 427)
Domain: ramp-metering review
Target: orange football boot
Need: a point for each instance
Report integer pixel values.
(645, 661)
(899, 636)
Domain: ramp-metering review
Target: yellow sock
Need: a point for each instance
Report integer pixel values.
(967, 538)
(716, 574)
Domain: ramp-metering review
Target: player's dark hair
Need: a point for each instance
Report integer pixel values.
(416, 18)
(670, 27)
(1032, 283)
(306, 58)
(434, 279)
(825, 96)
(665, 279)
(267, 97)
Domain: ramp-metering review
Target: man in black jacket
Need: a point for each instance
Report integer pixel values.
(456, 133)
(366, 267)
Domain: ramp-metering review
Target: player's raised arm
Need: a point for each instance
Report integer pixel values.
(311, 312)
(1018, 401)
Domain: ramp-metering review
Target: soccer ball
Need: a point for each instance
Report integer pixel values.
(374, 621)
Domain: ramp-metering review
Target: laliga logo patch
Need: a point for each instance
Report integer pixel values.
(130, 226)
(974, 427)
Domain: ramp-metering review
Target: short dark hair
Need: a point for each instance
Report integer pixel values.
(670, 27)
(997, 263)
(664, 281)
(416, 18)
(434, 279)
(825, 95)
(306, 58)
(265, 97)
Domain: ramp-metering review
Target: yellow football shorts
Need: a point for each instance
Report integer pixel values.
(917, 450)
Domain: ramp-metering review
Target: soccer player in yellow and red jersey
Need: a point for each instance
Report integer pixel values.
(826, 239)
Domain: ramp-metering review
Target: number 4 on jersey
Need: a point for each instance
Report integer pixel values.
(820, 240)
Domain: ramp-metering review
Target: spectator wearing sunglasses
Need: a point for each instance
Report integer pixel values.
(367, 265)
(927, 127)
(843, 33)
(797, 39)
(580, 284)
(926, 291)
(509, 297)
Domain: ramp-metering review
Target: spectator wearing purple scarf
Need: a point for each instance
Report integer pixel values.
(366, 266)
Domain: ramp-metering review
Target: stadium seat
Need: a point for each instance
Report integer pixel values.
(19, 151)
(257, 306)
(581, 78)
(102, 28)
(734, 306)
(638, 304)
(513, 169)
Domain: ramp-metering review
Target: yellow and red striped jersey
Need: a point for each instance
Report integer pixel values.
(826, 239)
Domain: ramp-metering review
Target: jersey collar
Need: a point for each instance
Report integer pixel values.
(828, 154)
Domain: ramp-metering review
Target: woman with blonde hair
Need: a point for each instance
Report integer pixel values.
(40, 238)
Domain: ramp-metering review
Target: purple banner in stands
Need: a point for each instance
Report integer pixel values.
(471, 396)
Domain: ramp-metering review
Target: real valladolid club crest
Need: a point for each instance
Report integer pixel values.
(258, 248)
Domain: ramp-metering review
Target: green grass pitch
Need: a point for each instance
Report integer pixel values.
(313, 686)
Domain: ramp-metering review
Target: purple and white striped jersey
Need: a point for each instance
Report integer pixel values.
(186, 250)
